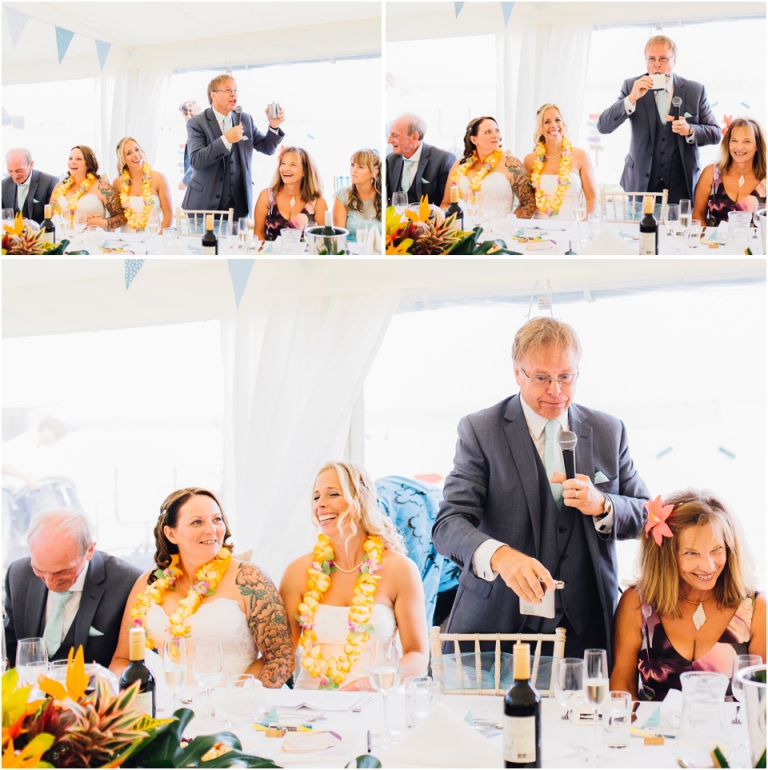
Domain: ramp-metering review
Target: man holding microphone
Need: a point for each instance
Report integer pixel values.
(221, 141)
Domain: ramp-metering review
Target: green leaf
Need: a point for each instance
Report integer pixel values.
(326, 568)
(365, 760)
(761, 761)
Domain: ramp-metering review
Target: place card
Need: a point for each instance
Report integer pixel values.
(302, 743)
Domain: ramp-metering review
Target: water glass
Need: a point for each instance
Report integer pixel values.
(244, 231)
(93, 235)
(57, 669)
(706, 681)
(175, 664)
(702, 728)
(361, 234)
(739, 662)
(384, 677)
(693, 236)
(290, 240)
(241, 699)
(421, 695)
(617, 719)
(400, 201)
(31, 659)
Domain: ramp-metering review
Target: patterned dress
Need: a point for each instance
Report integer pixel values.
(356, 218)
(720, 203)
(275, 221)
(660, 664)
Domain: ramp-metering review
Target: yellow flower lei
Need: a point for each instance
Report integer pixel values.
(464, 168)
(207, 579)
(146, 196)
(333, 671)
(83, 188)
(551, 206)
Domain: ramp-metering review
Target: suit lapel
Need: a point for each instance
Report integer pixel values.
(397, 173)
(213, 123)
(34, 615)
(419, 174)
(523, 456)
(651, 114)
(679, 90)
(33, 180)
(93, 591)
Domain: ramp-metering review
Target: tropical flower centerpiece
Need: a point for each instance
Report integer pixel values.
(22, 239)
(427, 231)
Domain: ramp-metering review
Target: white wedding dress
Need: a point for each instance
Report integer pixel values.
(496, 183)
(332, 628)
(549, 188)
(89, 203)
(222, 621)
(137, 204)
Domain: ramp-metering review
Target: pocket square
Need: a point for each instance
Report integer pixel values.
(424, 181)
(93, 631)
(687, 115)
(601, 478)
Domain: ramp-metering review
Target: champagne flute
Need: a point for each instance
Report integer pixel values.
(596, 689)
(208, 668)
(385, 676)
(175, 664)
(31, 659)
(685, 214)
(579, 212)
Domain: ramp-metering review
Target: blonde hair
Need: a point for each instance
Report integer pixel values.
(541, 333)
(758, 162)
(538, 135)
(120, 150)
(215, 83)
(659, 583)
(359, 492)
(311, 186)
(370, 159)
(661, 40)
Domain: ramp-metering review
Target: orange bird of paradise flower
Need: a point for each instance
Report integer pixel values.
(657, 519)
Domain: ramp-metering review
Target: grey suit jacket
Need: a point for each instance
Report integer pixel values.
(40, 190)
(637, 165)
(430, 177)
(108, 583)
(493, 492)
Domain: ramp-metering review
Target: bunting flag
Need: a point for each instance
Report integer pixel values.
(457, 8)
(16, 23)
(239, 272)
(102, 49)
(132, 267)
(63, 39)
(506, 9)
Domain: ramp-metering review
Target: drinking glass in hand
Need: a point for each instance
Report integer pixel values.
(385, 676)
(175, 664)
(596, 689)
(31, 659)
(208, 668)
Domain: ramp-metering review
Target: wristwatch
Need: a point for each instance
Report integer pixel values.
(607, 507)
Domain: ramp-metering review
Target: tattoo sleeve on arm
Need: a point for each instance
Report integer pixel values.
(521, 186)
(268, 622)
(112, 202)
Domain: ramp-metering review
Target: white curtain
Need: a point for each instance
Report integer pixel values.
(131, 103)
(294, 369)
(540, 63)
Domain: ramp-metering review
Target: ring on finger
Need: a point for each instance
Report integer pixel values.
(577, 493)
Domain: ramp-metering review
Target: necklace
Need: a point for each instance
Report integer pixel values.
(551, 206)
(140, 222)
(476, 183)
(333, 671)
(699, 617)
(82, 189)
(548, 157)
(207, 578)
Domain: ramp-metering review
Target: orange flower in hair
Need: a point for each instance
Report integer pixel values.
(727, 119)
(657, 519)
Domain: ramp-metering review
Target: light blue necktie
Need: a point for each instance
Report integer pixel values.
(405, 185)
(54, 628)
(661, 105)
(553, 458)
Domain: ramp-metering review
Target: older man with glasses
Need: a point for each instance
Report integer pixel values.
(513, 521)
(669, 123)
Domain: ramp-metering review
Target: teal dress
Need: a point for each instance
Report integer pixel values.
(355, 218)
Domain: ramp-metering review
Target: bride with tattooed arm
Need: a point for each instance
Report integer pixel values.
(84, 190)
(485, 168)
(240, 607)
(356, 587)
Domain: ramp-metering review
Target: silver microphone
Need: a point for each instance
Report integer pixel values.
(238, 120)
(676, 104)
(567, 441)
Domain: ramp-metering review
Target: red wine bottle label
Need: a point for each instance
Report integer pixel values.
(519, 739)
(144, 702)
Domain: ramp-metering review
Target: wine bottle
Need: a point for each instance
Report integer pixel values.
(328, 229)
(210, 241)
(137, 670)
(454, 208)
(649, 229)
(522, 715)
(47, 226)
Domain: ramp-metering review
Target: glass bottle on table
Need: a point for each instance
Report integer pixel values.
(48, 228)
(210, 241)
(455, 208)
(522, 714)
(649, 229)
(137, 671)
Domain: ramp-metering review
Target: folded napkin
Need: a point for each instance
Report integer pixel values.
(443, 739)
(606, 242)
(374, 244)
(671, 707)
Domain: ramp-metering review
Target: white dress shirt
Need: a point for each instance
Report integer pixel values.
(73, 603)
(409, 169)
(22, 190)
(481, 558)
(670, 89)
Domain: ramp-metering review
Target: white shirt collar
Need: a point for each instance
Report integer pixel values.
(219, 116)
(536, 423)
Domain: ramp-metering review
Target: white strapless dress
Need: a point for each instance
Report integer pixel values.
(222, 621)
(496, 184)
(331, 628)
(90, 204)
(137, 204)
(549, 187)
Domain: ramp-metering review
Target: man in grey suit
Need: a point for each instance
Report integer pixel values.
(221, 145)
(66, 591)
(512, 520)
(666, 136)
(414, 166)
(26, 189)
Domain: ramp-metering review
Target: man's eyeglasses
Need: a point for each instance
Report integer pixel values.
(225, 90)
(652, 60)
(544, 380)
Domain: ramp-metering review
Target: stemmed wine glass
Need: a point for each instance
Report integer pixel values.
(385, 676)
(31, 659)
(79, 221)
(579, 212)
(568, 679)
(489, 208)
(208, 668)
(596, 689)
(175, 664)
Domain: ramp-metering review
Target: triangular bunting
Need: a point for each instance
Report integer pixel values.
(16, 23)
(239, 271)
(132, 267)
(506, 9)
(457, 8)
(63, 39)
(102, 49)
